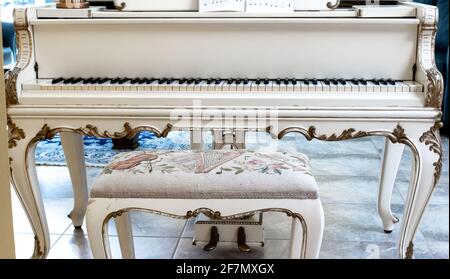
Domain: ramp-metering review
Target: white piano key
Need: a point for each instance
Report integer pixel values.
(261, 86)
(204, 85)
(311, 87)
(362, 87)
(391, 88)
(283, 86)
(304, 86)
(240, 86)
(354, 87)
(333, 87)
(297, 86)
(414, 86)
(323, 87)
(340, 87)
(269, 86)
(369, 87)
(383, 88)
(290, 86)
(248, 86)
(233, 86)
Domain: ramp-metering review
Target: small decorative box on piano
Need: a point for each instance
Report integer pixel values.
(156, 5)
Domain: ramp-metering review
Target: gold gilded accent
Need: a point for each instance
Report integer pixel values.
(122, 6)
(435, 88)
(333, 6)
(90, 130)
(14, 133)
(410, 251)
(311, 134)
(25, 51)
(433, 139)
(37, 253)
(208, 212)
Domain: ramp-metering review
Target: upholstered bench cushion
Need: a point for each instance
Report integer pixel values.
(214, 174)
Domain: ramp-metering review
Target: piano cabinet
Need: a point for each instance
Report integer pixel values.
(410, 119)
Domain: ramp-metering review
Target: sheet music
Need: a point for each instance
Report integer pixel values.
(221, 5)
(255, 6)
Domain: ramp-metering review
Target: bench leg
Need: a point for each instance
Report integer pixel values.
(125, 234)
(314, 219)
(95, 215)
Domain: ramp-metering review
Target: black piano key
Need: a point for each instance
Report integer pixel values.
(197, 81)
(170, 81)
(383, 82)
(209, 81)
(334, 81)
(87, 81)
(104, 80)
(123, 80)
(115, 80)
(278, 81)
(266, 81)
(363, 82)
(257, 81)
(135, 80)
(95, 80)
(57, 80)
(376, 82)
(182, 81)
(285, 81)
(314, 82)
(391, 82)
(354, 82)
(230, 81)
(142, 81)
(341, 82)
(246, 81)
(67, 81)
(217, 81)
(76, 80)
(238, 81)
(190, 81)
(306, 81)
(294, 81)
(326, 81)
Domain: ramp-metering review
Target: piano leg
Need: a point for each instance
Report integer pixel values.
(125, 234)
(74, 152)
(426, 171)
(389, 168)
(25, 182)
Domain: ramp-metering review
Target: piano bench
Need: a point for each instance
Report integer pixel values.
(222, 184)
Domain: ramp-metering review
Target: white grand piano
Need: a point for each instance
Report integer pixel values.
(343, 72)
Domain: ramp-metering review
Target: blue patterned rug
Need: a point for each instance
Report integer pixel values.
(99, 151)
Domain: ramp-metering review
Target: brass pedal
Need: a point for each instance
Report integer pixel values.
(213, 240)
(243, 247)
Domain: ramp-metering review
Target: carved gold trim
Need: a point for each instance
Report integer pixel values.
(37, 253)
(333, 6)
(409, 251)
(25, 51)
(311, 134)
(14, 133)
(212, 214)
(121, 6)
(427, 41)
(90, 130)
(433, 139)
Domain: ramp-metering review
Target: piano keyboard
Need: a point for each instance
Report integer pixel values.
(225, 85)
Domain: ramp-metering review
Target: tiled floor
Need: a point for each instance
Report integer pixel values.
(347, 173)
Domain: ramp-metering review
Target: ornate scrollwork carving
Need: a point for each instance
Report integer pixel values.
(25, 51)
(333, 6)
(435, 88)
(311, 134)
(206, 211)
(90, 130)
(14, 133)
(433, 139)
